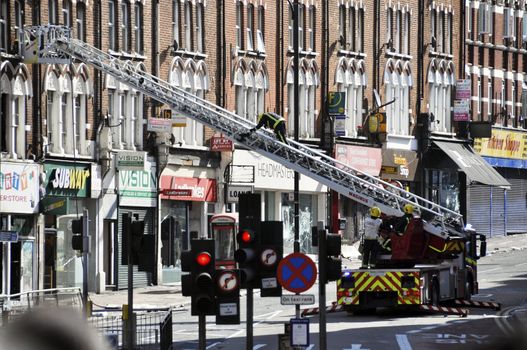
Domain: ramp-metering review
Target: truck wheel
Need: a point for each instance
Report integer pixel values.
(434, 300)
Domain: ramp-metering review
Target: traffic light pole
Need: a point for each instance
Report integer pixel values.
(322, 277)
(202, 324)
(85, 265)
(249, 322)
(127, 225)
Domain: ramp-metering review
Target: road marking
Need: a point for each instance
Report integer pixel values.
(497, 268)
(310, 347)
(355, 347)
(212, 345)
(402, 341)
(259, 346)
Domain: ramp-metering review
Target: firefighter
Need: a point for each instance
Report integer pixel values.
(272, 121)
(372, 225)
(401, 223)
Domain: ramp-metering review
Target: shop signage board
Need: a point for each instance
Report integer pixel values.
(19, 188)
(200, 190)
(337, 103)
(8, 236)
(365, 159)
(463, 89)
(220, 144)
(138, 188)
(160, 125)
(234, 192)
(340, 125)
(461, 110)
(127, 160)
(503, 144)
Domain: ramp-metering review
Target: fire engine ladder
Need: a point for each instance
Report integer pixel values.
(53, 45)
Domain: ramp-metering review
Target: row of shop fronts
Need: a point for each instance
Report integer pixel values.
(178, 197)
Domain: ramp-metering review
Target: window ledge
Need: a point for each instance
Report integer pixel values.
(398, 55)
(441, 55)
(185, 53)
(303, 53)
(351, 54)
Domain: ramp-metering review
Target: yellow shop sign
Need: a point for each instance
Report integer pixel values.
(503, 144)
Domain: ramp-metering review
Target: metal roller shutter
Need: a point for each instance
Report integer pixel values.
(517, 206)
(486, 210)
(141, 279)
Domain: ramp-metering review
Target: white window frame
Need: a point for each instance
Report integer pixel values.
(249, 23)
(53, 14)
(175, 21)
(4, 25)
(112, 18)
(80, 21)
(350, 39)
(360, 30)
(489, 97)
(125, 26)
(398, 31)
(406, 33)
(188, 25)
(200, 42)
(239, 25)
(301, 23)
(342, 24)
(469, 18)
(311, 14)
(389, 24)
(67, 9)
(138, 27)
(261, 29)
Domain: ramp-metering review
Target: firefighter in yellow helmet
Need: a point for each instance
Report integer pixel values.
(272, 121)
(372, 224)
(402, 222)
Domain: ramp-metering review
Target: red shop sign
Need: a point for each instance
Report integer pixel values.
(188, 189)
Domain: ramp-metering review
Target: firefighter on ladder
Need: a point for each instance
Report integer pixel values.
(272, 121)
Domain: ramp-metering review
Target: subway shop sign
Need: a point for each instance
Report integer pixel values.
(67, 179)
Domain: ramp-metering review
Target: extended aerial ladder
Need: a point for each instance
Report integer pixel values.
(54, 45)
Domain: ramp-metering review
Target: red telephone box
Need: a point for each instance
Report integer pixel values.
(224, 228)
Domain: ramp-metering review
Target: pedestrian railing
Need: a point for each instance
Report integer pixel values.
(153, 327)
(14, 305)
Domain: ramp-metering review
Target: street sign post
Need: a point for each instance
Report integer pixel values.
(297, 272)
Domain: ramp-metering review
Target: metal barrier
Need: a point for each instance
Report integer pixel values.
(14, 305)
(153, 327)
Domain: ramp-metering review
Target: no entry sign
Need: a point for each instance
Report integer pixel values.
(297, 272)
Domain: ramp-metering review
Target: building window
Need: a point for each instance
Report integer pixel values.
(13, 114)
(524, 30)
(350, 37)
(360, 30)
(448, 33)
(398, 31)
(389, 28)
(250, 27)
(66, 13)
(188, 26)
(351, 79)
(138, 28)
(81, 21)
(261, 29)
(200, 30)
(4, 25)
(406, 33)
(469, 18)
(112, 38)
(125, 26)
(239, 25)
(175, 23)
(342, 27)
(508, 24)
(300, 27)
(53, 12)
(397, 86)
(311, 15)
(308, 78)
(19, 19)
(489, 98)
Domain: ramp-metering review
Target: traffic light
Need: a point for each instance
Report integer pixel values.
(227, 284)
(333, 260)
(199, 284)
(248, 239)
(270, 255)
(79, 241)
(247, 257)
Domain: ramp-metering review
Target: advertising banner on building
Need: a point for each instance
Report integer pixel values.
(19, 188)
(138, 188)
(503, 144)
(67, 179)
(365, 159)
(201, 190)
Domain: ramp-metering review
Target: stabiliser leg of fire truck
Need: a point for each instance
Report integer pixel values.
(54, 45)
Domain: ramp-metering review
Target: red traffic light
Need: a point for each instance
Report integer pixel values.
(247, 236)
(203, 258)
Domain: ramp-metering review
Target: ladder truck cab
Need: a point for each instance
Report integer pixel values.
(425, 266)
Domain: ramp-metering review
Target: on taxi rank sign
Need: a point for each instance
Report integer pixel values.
(297, 273)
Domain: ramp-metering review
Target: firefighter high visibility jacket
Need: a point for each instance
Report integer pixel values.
(269, 119)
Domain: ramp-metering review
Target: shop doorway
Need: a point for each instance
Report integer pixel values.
(50, 252)
(15, 267)
(109, 265)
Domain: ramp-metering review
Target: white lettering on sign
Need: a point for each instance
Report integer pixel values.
(269, 283)
(228, 309)
(274, 171)
(69, 178)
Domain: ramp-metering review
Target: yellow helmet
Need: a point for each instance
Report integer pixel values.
(375, 212)
(408, 209)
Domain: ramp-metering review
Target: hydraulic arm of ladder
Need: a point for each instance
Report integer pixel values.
(53, 44)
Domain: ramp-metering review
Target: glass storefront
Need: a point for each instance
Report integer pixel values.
(442, 187)
(174, 238)
(308, 214)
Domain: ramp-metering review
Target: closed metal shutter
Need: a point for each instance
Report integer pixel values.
(141, 279)
(486, 210)
(517, 206)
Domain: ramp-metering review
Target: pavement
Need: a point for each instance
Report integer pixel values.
(169, 295)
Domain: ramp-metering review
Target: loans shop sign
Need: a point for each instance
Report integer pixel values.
(19, 188)
(138, 188)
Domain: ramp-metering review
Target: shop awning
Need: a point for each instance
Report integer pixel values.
(472, 164)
